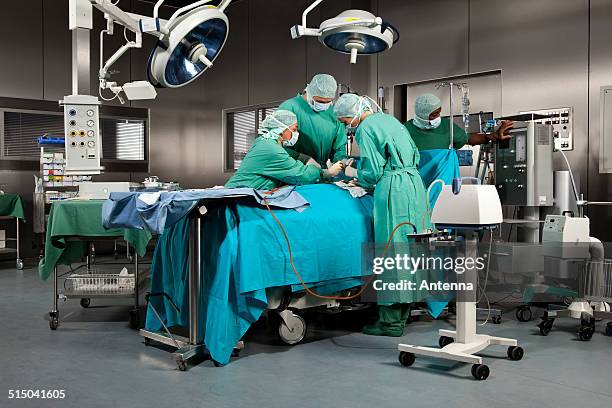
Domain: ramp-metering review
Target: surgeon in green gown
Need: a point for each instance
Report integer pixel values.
(267, 165)
(388, 163)
(322, 136)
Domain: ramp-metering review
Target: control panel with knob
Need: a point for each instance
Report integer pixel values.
(82, 130)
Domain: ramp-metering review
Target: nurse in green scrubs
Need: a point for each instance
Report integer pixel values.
(322, 136)
(388, 164)
(267, 165)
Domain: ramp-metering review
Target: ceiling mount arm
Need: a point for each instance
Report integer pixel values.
(118, 15)
(185, 9)
(223, 5)
(157, 7)
(308, 10)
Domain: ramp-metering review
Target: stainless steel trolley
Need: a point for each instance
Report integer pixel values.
(93, 285)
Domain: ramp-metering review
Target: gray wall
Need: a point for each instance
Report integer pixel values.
(552, 53)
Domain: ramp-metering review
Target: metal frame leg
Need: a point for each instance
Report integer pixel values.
(190, 347)
(194, 348)
(54, 314)
(19, 261)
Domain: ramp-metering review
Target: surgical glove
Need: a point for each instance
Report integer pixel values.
(348, 162)
(350, 172)
(333, 170)
(313, 162)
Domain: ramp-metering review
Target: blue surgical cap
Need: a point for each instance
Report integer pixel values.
(323, 86)
(273, 125)
(350, 105)
(425, 105)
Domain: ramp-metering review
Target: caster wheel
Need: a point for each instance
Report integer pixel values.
(480, 372)
(545, 326)
(85, 302)
(609, 329)
(524, 314)
(236, 352)
(497, 319)
(292, 331)
(585, 333)
(444, 341)
(182, 365)
(147, 341)
(515, 353)
(54, 323)
(19, 264)
(406, 359)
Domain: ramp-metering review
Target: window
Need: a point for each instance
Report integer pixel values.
(123, 139)
(241, 126)
(21, 130)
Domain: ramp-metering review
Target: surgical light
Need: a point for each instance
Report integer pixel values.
(194, 41)
(354, 32)
(188, 43)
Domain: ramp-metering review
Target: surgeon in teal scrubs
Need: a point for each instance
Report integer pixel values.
(267, 165)
(322, 136)
(431, 134)
(388, 164)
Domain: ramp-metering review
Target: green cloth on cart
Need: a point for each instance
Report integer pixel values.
(80, 218)
(11, 205)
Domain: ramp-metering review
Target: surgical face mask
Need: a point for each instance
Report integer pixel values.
(436, 122)
(427, 124)
(294, 138)
(320, 106)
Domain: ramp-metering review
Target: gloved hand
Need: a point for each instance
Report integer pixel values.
(348, 162)
(313, 162)
(334, 169)
(350, 172)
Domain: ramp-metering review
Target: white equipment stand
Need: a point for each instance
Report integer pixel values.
(463, 343)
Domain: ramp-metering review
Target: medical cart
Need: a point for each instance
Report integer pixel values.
(72, 228)
(11, 208)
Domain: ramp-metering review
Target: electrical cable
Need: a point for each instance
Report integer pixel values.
(304, 285)
(571, 174)
(484, 287)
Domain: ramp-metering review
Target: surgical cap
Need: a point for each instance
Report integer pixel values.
(425, 105)
(323, 86)
(350, 105)
(273, 125)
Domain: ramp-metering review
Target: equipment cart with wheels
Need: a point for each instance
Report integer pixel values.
(72, 227)
(11, 208)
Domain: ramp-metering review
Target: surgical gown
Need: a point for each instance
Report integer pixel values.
(322, 136)
(267, 165)
(388, 162)
(437, 160)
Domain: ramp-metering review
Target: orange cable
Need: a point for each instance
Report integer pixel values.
(304, 285)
